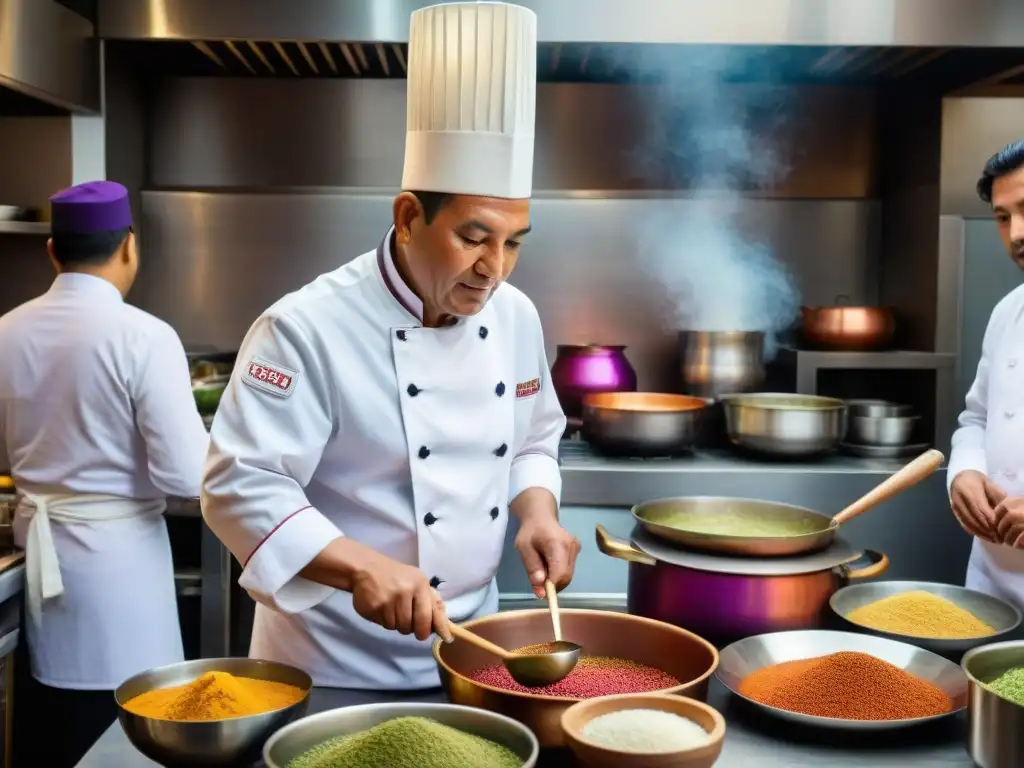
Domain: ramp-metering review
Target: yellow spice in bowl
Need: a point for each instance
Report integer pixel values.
(215, 696)
(920, 614)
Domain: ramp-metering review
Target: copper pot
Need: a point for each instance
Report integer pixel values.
(682, 654)
(849, 329)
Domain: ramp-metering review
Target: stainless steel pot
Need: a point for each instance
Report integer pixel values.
(995, 726)
(642, 423)
(716, 363)
(728, 598)
(783, 424)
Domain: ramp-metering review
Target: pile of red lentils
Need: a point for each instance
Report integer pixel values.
(592, 676)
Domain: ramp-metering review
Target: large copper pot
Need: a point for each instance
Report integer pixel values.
(730, 598)
(585, 369)
(682, 654)
(851, 329)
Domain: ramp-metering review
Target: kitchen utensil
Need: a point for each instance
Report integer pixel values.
(642, 423)
(716, 363)
(995, 726)
(532, 670)
(592, 755)
(725, 598)
(556, 617)
(845, 328)
(668, 518)
(881, 430)
(784, 425)
(676, 651)
(997, 613)
(747, 656)
(294, 740)
(883, 451)
(584, 369)
(195, 744)
(877, 408)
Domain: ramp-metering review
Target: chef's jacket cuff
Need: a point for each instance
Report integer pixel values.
(963, 459)
(535, 470)
(272, 576)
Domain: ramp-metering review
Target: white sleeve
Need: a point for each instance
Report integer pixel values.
(968, 444)
(536, 464)
(167, 417)
(274, 420)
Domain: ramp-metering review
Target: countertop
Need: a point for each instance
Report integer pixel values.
(751, 739)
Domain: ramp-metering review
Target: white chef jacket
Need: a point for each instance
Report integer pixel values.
(345, 416)
(990, 439)
(96, 403)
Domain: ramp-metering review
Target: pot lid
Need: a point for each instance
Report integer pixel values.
(840, 553)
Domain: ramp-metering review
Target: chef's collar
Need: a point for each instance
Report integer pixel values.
(80, 282)
(398, 286)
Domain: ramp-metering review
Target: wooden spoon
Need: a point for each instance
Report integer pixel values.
(910, 475)
(532, 670)
(556, 616)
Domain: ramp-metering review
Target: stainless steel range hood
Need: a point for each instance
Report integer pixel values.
(50, 54)
(903, 23)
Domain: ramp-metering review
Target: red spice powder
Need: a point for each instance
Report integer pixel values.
(592, 676)
(847, 685)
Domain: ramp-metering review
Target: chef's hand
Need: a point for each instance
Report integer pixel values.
(974, 500)
(395, 595)
(1010, 521)
(547, 549)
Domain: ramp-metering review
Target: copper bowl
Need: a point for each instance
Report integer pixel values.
(850, 329)
(682, 654)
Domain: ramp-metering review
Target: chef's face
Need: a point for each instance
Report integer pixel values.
(1008, 206)
(465, 252)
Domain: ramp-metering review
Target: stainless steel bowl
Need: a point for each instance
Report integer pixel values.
(741, 659)
(881, 430)
(995, 726)
(299, 737)
(210, 743)
(642, 423)
(785, 425)
(998, 614)
(877, 408)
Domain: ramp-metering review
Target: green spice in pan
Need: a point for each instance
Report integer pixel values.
(736, 523)
(408, 742)
(1010, 685)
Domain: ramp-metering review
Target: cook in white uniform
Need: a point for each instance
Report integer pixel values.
(385, 420)
(986, 466)
(98, 426)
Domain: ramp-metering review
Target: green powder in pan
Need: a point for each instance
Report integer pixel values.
(737, 523)
(408, 742)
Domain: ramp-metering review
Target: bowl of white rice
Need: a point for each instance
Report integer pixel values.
(645, 729)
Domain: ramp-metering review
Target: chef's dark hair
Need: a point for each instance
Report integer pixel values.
(432, 203)
(1007, 160)
(92, 249)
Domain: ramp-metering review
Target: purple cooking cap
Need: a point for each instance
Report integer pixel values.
(96, 206)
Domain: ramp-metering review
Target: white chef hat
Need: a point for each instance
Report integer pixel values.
(471, 100)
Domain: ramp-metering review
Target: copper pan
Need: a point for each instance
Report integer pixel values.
(682, 654)
(844, 328)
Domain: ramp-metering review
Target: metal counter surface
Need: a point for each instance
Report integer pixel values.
(750, 740)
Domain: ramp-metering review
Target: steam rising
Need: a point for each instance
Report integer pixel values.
(700, 249)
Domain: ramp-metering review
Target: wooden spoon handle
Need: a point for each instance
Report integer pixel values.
(556, 616)
(912, 474)
(474, 639)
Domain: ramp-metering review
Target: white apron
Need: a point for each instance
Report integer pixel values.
(100, 595)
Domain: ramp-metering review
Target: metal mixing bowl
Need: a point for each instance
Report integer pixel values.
(877, 408)
(998, 614)
(747, 656)
(995, 726)
(881, 430)
(785, 425)
(207, 744)
(301, 736)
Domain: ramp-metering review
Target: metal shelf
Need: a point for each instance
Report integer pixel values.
(893, 360)
(24, 228)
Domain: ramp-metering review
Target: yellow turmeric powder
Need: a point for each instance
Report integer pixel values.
(920, 614)
(215, 696)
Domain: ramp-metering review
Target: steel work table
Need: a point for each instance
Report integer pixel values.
(750, 739)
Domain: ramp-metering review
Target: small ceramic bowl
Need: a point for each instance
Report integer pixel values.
(594, 755)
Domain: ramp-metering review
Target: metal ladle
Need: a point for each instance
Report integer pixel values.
(532, 670)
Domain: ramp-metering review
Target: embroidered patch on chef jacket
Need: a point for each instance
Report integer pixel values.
(270, 377)
(527, 388)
